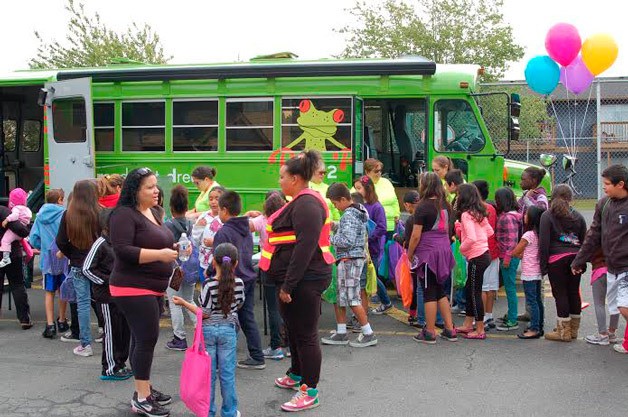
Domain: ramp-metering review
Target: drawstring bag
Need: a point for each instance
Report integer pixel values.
(196, 373)
(331, 293)
(371, 279)
(67, 291)
(404, 278)
(460, 270)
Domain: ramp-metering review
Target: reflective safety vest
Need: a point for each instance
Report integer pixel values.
(289, 237)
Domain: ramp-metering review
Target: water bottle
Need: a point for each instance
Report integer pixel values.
(184, 245)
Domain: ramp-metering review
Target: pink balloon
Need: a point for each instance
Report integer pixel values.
(563, 43)
(576, 77)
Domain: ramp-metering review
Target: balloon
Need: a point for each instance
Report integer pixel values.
(563, 43)
(599, 52)
(542, 74)
(576, 77)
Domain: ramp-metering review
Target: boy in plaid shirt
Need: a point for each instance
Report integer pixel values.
(350, 254)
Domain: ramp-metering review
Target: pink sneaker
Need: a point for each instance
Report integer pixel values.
(305, 399)
(287, 382)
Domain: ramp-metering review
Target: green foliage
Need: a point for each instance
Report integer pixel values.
(90, 43)
(446, 31)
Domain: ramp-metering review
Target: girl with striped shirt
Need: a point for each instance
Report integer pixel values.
(221, 297)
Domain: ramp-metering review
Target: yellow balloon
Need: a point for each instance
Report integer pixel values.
(599, 51)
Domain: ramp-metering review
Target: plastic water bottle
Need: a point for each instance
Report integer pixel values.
(184, 245)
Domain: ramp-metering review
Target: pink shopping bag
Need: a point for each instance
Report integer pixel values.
(196, 373)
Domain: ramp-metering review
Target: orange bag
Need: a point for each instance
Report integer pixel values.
(402, 271)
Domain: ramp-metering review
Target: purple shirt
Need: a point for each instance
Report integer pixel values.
(376, 238)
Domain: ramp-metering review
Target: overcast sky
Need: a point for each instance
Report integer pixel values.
(196, 31)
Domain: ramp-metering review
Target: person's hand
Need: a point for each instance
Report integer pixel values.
(202, 222)
(208, 241)
(36, 251)
(59, 254)
(253, 213)
(285, 297)
(177, 300)
(506, 263)
(576, 270)
(4, 223)
(168, 255)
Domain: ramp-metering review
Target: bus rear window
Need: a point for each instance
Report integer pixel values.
(104, 125)
(68, 120)
(9, 128)
(250, 125)
(195, 125)
(31, 136)
(143, 126)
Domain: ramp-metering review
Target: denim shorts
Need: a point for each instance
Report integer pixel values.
(53, 282)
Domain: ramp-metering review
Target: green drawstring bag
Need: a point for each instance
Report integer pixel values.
(331, 293)
(371, 278)
(459, 273)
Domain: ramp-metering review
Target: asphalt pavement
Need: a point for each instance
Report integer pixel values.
(500, 376)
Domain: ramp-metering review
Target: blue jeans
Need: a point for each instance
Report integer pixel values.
(420, 306)
(509, 276)
(82, 286)
(382, 292)
(534, 301)
(221, 341)
(460, 298)
(274, 317)
(246, 315)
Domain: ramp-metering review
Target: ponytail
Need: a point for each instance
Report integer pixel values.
(560, 205)
(226, 258)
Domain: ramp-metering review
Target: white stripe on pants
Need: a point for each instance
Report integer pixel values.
(108, 340)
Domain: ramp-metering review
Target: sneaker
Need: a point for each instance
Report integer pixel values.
(440, 325)
(507, 326)
(276, 354)
(251, 363)
(489, 324)
(523, 317)
(598, 339)
(101, 335)
(364, 340)
(449, 335)
(425, 337)
(26, 325)
(62, 326)
(354, 325)
(84, 351)
(119, 375)
(4, 262)
(149, 407)
(619, 348)
(70, 338)
(289, 381)
(50, 331)
(336, 339)
(462, 313)
(177, 344)
(612, 338)
(304, 399)
(381, 309)
(456, 309)
(160, 397)
(286, 352)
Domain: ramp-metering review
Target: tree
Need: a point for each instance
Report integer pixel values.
(90, 43)
(446, 31)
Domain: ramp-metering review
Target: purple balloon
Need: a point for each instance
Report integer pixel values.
(563, 43)
(576, 77)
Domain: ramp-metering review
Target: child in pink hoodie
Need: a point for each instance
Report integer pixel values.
(474, 231)
(21, 213)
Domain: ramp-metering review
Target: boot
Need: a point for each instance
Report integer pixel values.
(575, 325)
(562, 331)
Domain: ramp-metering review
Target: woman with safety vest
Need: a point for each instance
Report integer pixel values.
(297, 257)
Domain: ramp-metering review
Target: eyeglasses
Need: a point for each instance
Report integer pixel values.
(144, 171)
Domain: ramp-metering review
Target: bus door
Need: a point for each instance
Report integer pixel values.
(69, 123)
(359, 145)
(459, 134)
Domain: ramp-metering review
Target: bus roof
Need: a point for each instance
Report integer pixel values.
(259, 68)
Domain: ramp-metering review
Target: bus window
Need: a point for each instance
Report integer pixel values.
(10, 134)
(31, 136)
(143, 126)
(195, 125)
(456, 128)
(324, 124)
(68, 120)
(250, 125)
(104, 124)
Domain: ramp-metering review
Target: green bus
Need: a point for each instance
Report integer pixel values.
(244, 119)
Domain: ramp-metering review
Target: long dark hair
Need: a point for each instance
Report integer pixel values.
(81, 220)
(131, 186)
(226, 257)
(505, 200)
(179, 199)
(431, 186)
(469, 200)
(370, 196)
(560, 205)
(533, 214)
(304, 164)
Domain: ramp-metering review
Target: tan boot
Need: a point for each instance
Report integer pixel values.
(575, 325)
(562, 331)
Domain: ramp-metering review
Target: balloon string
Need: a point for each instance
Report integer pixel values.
(586, 109)
(559, 125)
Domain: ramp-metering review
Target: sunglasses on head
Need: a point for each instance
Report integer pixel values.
(144, 171)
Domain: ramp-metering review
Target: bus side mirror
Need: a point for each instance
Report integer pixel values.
(41, 99)
(513, 122)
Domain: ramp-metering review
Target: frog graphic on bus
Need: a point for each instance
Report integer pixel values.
(318, 127)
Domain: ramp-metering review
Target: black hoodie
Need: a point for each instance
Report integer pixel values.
(237, 231)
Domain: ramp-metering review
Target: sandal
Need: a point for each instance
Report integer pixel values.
(536, 335)
(464, 330)
(477, 336)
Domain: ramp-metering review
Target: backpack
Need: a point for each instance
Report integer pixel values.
(189, 267)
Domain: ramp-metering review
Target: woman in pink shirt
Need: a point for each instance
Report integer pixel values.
(474, 232)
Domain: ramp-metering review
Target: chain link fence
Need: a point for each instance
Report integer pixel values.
(586, 132)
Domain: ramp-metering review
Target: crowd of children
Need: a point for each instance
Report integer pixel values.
(448, 225)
